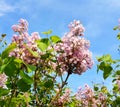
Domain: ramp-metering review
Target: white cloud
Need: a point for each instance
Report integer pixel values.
(5, 8)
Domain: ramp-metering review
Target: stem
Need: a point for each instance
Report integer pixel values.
(13, 92)
(35, 88)
(60, 89)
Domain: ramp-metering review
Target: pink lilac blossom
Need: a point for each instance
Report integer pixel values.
(74, 55)
(118, 83)
(76, 28)
(88, 98)
(25, 43)
(65, 98)
(21, 27)
(3, 79)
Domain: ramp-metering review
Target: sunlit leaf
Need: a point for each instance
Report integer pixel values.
(55, 39)
(26, 78)
(6, 52)
(107, 71)
(30, 68)
(47, 32)
(35, 54)
(43, 44)
(118, 36)
(115, 28)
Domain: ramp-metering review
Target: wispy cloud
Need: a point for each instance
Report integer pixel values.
(5, 8)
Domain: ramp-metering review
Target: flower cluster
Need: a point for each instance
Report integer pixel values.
(65, 97)
(74, 56)
(21, 27)
(3, 79)
(76, 28)
(25, 43)
(88, 98)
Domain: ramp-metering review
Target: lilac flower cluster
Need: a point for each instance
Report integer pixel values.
(25, 43)
(74, 55)
(3, 79)
(76, 28)
(65, 97)
(88, 98)
(21, 27)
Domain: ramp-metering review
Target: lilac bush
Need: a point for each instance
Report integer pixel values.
(30, 67)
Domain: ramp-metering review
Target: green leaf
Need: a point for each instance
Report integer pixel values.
(49, 84)
(43, 44)
(106, 68)
(26, 78)
(101, 66)
(30, 68)
(118, 72)
(118, 36)
(107, 71)
(47, 32)
(3, 92)
(10, 68)
(45, 56)
(23, 85)
(2, 103)
(104, 89)
(106, 58)
(114, 80)
(3, 35)
(6, 52)
(115, 28)
(35, 54)
(55, 39)
(115, 88)
(46, 41)
(96, 88)
(18, 61)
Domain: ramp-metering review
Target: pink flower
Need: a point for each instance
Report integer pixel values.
(25, 43)
(35, 36)
(3, 79)
(118, 83)
(21, 27)
(76, 28)
(87, 97)
(65, 97)
(74, 53)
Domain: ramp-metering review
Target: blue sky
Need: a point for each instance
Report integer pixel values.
(97, 16)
